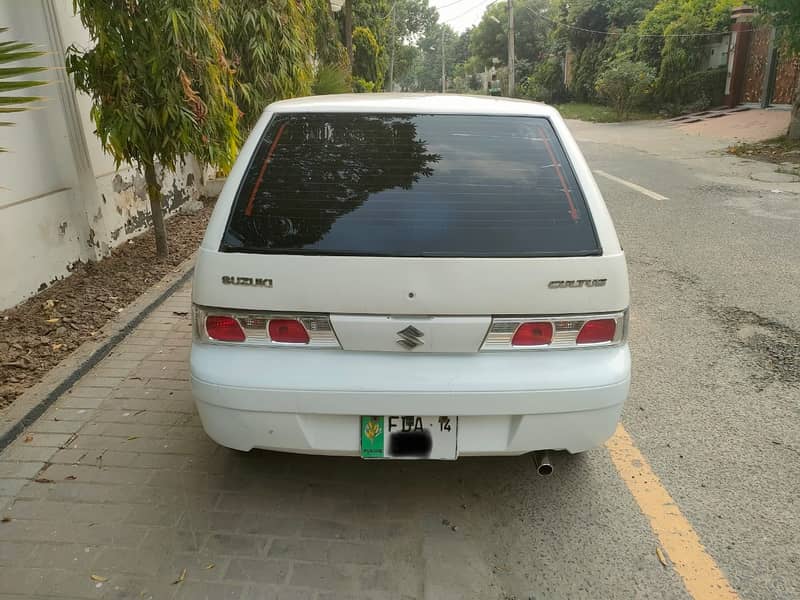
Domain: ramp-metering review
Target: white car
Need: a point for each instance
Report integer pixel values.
(410, 276)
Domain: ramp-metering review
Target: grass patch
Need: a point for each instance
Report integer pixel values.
(597, 113)
(777, 150)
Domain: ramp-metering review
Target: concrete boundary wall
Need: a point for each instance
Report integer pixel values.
(62, 199)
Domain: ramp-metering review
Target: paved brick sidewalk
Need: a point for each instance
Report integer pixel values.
(118, 481)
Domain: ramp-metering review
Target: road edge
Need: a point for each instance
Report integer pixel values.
(32, 403)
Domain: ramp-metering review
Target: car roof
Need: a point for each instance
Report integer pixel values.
(414, 104)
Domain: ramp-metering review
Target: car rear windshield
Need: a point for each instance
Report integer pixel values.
(410, 185)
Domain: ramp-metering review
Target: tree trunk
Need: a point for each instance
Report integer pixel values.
(794, 124)
(154, 193)
(348, 31)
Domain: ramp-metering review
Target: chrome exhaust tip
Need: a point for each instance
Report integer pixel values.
(543, 465)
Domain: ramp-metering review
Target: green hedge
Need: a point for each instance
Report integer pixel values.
(697, 91)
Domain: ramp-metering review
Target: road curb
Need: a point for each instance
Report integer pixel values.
(35, 401)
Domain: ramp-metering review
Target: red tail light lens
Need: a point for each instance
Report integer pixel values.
(533, 334)
(288, 331)
(597, 331)
(224, 329)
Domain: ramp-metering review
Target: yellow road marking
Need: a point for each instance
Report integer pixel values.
(701, 575)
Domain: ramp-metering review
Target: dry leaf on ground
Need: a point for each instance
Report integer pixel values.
(660, 556)
(180, 578)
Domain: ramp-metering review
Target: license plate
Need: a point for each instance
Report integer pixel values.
(409, 437)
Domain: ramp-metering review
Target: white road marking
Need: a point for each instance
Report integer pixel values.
(633, 186)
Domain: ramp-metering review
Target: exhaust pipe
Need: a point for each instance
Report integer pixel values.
(543, 464)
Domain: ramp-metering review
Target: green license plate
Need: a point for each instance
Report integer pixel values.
(409, 437)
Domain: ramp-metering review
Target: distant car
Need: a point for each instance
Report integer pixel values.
(410, 276)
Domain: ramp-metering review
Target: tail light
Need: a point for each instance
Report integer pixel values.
(533, 334)
(597, 331)
(525, 333)
(224, 329)
(264, 329)
(287, 331)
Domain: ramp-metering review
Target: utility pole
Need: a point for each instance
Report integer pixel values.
(394, 38)
(444, 74)
(511, 52)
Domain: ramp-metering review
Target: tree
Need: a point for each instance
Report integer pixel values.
(406, 56)
(160, 85)
(270, 46)
(546, 83)
(624, 84)
(429, 65)
(329, 48)
(786, 14)
(11, 52)
(595, 31)
(368, 60)
(489, 39)
(407, 20)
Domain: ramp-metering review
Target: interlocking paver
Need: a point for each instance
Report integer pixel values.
(195, 590)
(343, 578)
(134, 492)
(259, 570)
(310, 550)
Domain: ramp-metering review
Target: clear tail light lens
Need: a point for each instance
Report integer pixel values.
(533, 334)
(224, 329)
(597, 331)
(287, 331)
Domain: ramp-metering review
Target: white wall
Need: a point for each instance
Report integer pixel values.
(61, 199)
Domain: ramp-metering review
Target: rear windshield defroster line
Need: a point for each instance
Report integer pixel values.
(352, 184)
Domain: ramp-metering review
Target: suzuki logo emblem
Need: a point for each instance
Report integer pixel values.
(410, 337)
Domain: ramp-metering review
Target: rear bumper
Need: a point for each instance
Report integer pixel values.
(507, 403)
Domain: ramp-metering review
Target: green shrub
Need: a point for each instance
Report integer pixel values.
(546, 84)
(362, 86)
(588, 64)
(625, 84)
(699, 90)
(367, 58)
(331, 80)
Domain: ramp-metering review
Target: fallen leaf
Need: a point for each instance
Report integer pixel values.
(71, 477)
(181, 578)
(57, 346)
(28, 439)
(133, 437)
(99, 578)
(53, 320)
(8, 520)
(43, 480)
(180, 313)
(660, 556)
(210, 566)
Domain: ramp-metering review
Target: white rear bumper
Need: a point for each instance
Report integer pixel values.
(299, 400)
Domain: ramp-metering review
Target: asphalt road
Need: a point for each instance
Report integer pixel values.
(715, 335)
(715, 274)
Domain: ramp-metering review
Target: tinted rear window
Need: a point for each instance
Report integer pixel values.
(410, 185)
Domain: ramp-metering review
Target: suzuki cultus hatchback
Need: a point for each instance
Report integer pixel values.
(410, 276)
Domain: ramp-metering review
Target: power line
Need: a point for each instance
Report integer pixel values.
(449, 5)
(480, 4)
